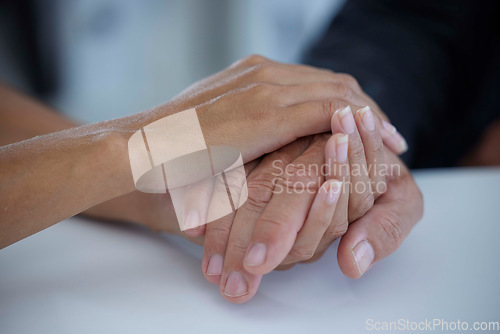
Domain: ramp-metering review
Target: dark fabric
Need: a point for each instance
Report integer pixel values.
(432, 66)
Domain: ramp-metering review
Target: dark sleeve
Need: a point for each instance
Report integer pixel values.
(408, 55)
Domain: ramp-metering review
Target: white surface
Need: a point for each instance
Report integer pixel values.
(88, 277)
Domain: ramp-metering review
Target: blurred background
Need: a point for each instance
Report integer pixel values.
(102, 59)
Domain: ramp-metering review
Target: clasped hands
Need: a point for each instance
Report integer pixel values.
(310, 182)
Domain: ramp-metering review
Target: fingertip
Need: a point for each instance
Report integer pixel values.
(355, 254)
(330, 147)
(238, 288)
(335, 120)
(347, 261)
(212, 267)
(393, 138)
(214, 279)
(262, 258)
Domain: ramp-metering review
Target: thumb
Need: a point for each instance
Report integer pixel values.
(382, 229)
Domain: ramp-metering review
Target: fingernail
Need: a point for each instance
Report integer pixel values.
(367, 118)
(235, 285)
(346, 120)
(334, 191)
(364, 255)
(389, 127)
(403, 145)
(215, 264)
(341, 147)
(257, 255)
(192, 220)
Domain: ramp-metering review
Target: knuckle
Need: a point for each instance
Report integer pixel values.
(219, 229)
(277, 222)
(362, 204)
(259, 193)
(349, 80)
(264, 72)
(357, 153)
(343, 90)
(392, 228)
(336, 231)
(254, 59)
(237, 245)
(328, 107)
(300, 253)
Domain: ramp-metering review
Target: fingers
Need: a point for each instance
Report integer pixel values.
(237, 285)
(317, 222)
(326, 213)
(373, 146)
(393, 139)
(361, 196)
(382, 230)
(216, 239)
(197, 199)
(339, 222)
(316, 90)
(214, 248)
(309, 117)
(341, 92)
(276, 230)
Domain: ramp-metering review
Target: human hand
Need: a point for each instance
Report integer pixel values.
(385, 226)
(256, 70)
(328, 87)
(253, 71)
(291, 225)
(282, 84)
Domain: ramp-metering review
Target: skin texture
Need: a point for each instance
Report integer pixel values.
(264, 92)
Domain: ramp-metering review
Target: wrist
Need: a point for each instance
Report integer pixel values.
(109, 154)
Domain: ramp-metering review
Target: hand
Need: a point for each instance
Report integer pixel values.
(291, 82)
(290, 224)
(382, 230)
(294, 82)
(256, 70)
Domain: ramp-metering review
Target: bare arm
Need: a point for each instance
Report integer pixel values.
(48, 178)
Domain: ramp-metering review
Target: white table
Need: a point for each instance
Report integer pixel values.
(89, 277)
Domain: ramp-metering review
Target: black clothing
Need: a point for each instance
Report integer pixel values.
(432, 66)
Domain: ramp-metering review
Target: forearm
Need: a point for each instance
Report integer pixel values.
(47, 179)
(54, 176)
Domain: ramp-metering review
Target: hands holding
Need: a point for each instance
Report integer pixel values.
(295, 210)
(307, 186)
